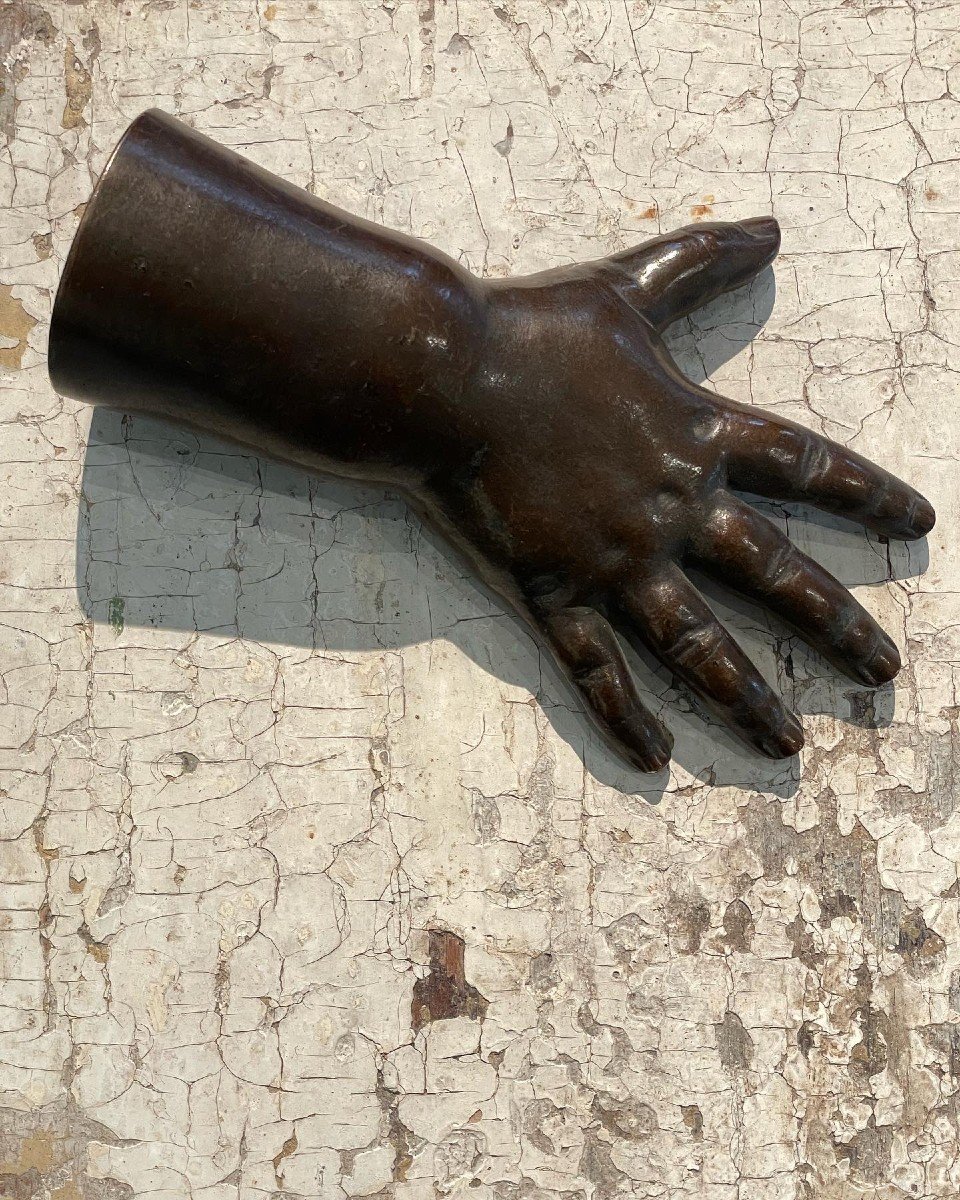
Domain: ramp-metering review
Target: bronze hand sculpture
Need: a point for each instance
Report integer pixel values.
(539, 422)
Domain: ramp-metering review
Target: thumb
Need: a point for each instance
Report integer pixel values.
(677, 272)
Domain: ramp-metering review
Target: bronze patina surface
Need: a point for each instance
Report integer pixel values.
(539, 422)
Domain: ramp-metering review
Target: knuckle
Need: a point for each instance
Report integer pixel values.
(812, 458)
(708, 425)
(602, 688)
(850, 624)
(697, 646)
(781, 566)
(709, 240)
(594, 676)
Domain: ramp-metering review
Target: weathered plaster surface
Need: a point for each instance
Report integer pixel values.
(274, 772)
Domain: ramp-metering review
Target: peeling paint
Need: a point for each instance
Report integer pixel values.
(20, 24)
(264, 746)
(79, 88)
(444, 992)
(43, 1154)
(16, 325)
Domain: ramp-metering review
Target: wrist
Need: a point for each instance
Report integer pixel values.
(202, 288)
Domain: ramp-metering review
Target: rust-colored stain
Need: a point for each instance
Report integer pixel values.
(444, 992)
(649, 213)
(693, 1119)
(67, 1191)
(98, 950)
(44, 1153)
(78, 83)
(34, 1153)
(47, 853)
(289, 1147)
(932, 194)
(15, 325)
(43, 244)
(701, 210)
(270, 12)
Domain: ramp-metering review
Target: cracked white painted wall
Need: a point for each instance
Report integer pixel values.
(259, 736)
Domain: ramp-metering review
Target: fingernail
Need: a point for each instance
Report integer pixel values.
(651, 758)
(651, 749)
(922, 517)
(765, 229)
(786, 741)
(883, 664)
